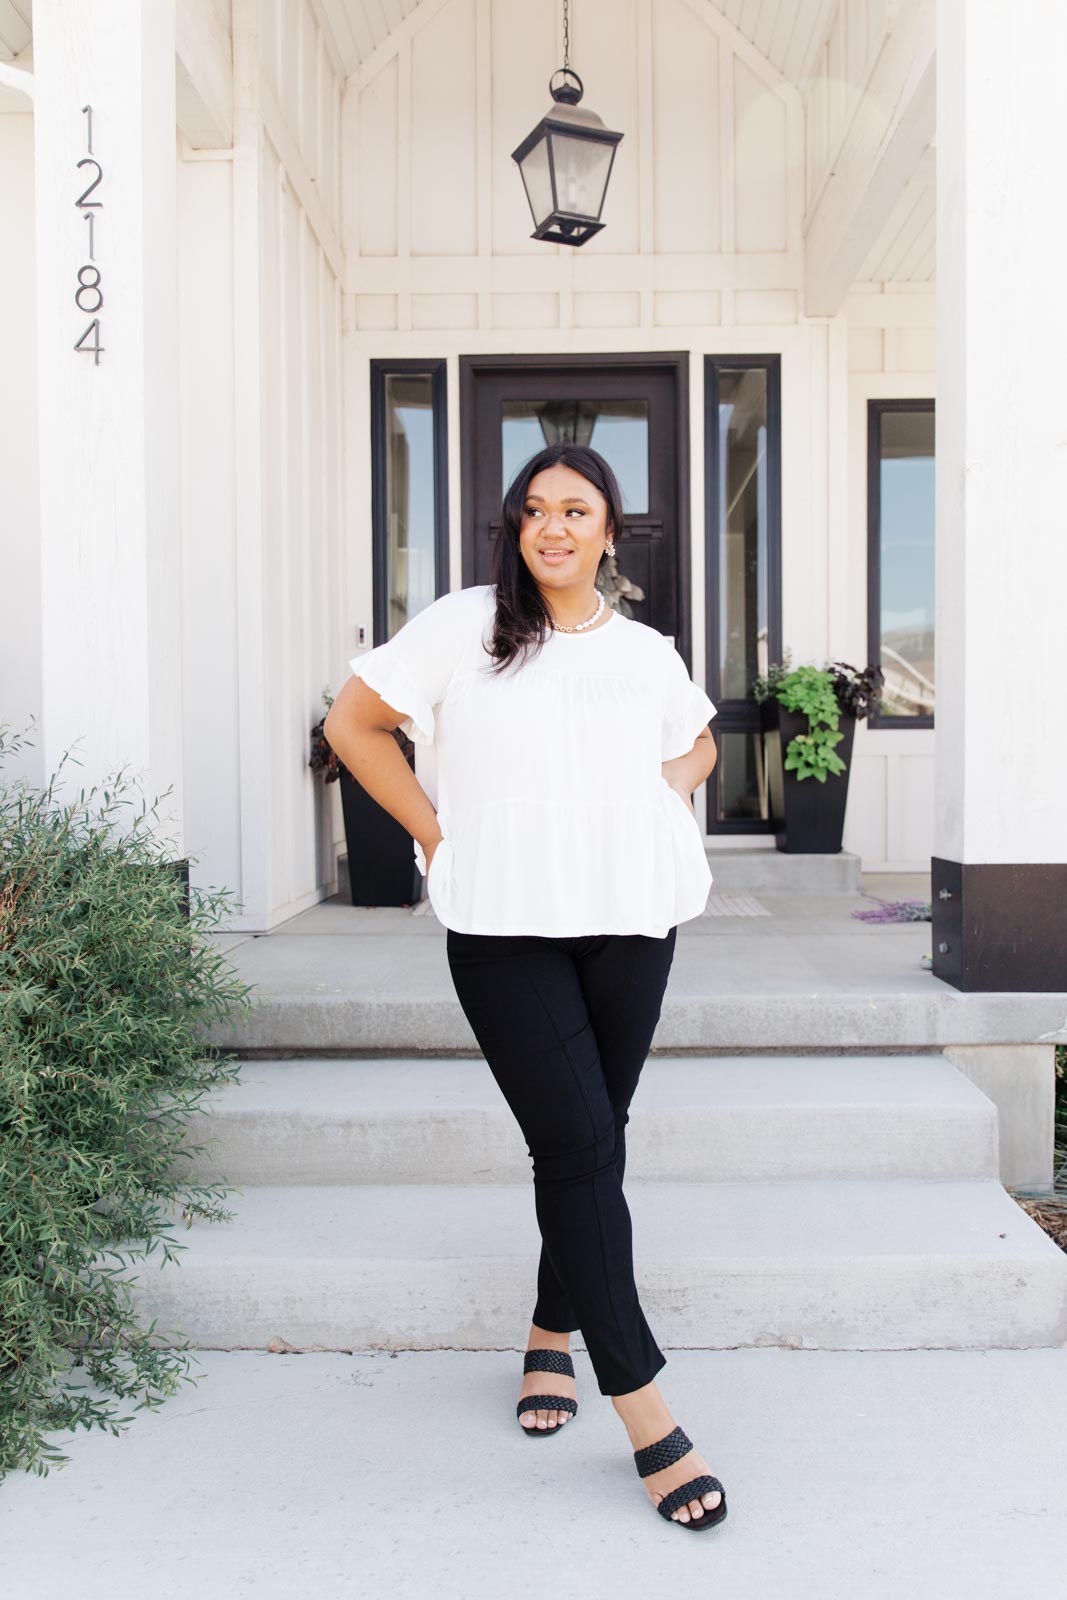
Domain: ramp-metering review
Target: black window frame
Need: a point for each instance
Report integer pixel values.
(734, 715)
(876, 409)
(380, 369)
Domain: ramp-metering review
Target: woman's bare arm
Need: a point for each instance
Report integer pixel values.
(358, 727)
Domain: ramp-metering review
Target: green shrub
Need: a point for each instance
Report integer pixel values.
(104, 980)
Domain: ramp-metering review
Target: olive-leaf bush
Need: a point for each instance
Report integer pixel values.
(104, 981)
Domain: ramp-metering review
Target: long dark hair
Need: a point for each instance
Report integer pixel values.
(523, 619)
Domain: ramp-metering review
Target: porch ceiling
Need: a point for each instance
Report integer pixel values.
(788, 32)
(906, 248)
(15, 28)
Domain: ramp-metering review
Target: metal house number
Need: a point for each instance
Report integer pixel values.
(89, 296)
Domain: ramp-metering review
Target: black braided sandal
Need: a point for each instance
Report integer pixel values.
(547, 1361)
(672, 1447)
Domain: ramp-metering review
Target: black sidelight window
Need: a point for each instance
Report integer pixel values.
(409, 490)
(900, 559)
(743, 472)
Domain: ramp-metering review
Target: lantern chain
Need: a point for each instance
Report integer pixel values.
(566, 35)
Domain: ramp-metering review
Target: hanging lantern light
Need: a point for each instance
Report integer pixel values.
(566, 161)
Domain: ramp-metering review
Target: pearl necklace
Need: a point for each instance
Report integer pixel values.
(562, 627)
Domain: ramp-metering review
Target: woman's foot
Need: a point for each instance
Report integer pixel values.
(547, 1382)
(647, 1419)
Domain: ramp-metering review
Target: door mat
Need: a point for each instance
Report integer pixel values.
(719, 905)
(734, 905)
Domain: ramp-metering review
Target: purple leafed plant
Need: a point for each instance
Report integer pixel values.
(897, 911)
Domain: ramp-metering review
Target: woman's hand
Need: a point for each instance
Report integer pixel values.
(688, 772)
(431, 852)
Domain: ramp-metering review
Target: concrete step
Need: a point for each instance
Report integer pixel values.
(728, 1118)
(764, 869)
(845, 1264)
(748, 870)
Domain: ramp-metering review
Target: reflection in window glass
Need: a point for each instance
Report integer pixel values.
(409, 492)
(618, 429)
(906, 562)
(741, 778)
(742, 511)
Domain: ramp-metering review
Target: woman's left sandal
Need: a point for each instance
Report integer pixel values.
(557, 1361)
(672, 1447)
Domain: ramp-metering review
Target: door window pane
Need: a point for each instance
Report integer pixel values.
(740, 778)
(618, 429)
(409, 496)
(905, 520)
(742, 515)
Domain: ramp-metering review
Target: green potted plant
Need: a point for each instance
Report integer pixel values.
(381, 860)
(809, 717)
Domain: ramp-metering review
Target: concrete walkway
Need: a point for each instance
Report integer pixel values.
(931, 1475)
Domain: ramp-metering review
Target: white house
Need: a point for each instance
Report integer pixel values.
(275, 330)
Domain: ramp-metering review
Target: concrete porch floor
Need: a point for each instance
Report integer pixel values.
(848, 1476)
(345, 979)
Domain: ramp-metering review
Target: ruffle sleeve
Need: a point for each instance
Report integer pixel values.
(383, 669)
(411, 671)
(686, 708)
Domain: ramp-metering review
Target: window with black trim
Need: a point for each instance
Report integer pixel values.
(743, 608)
(900, 559)
(409, 497)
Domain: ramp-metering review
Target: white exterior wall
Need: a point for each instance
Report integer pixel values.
(383, 216)
(260, 274)
(891, 788)
(703, 251)
(300, 316)
(20, 524)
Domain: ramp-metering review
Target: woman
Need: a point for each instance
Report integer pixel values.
(557, 747)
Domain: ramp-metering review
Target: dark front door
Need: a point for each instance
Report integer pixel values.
(634, 411)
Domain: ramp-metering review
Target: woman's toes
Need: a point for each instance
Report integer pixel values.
(711, 1499)
(696, 1508)
(528, 1419)
(681, 1515)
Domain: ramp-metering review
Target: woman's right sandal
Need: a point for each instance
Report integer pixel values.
(672, 1447)
(547, 1361)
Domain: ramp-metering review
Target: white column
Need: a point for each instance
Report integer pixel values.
(1001, 775)
(110, 571)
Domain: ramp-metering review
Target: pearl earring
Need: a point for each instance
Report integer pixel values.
(611, 547)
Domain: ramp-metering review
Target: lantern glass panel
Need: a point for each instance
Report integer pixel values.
(538, 180)
(582, 168)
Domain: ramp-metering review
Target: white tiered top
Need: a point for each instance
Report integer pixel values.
(555, 816)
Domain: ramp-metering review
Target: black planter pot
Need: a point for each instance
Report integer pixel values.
(808, 816)
(180, 870)
(381, 862)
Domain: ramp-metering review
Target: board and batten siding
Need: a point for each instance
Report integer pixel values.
(703, 251)
(261, 270)
(890, 818)
(381, 215)
(20, 517)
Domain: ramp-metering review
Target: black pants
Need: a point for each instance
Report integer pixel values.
(565, 1025)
